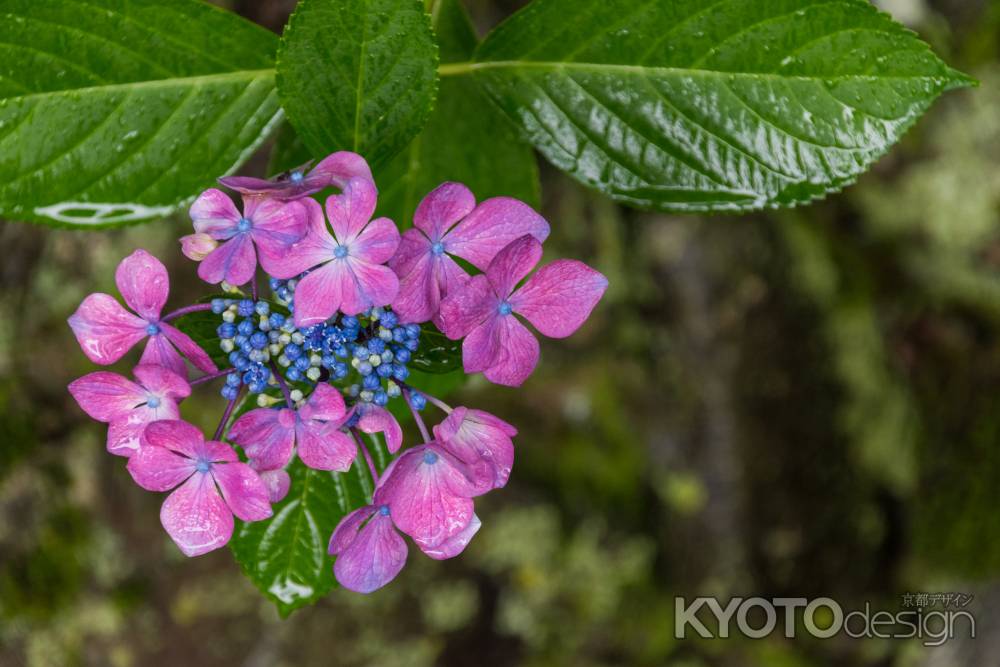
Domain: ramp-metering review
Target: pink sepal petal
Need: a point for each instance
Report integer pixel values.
(196, 517)
(324, 447)
(512, 264)
(559, 298)
(215, 214)
(455, 544)
(159, 352)
(467, 307)
(162, 381)
(443, 207)
(374, 558)
(413, 251)
(376, 419)
(419, 296)
(104, 329)
(377, 242)
(175, 435)
(314, 248)
(491, 227)
(517, 356)
(351, 210)
(339, 168)
(481, 441)
(266, 435)
(216, 452)
(243, 490)
(321, 293)
(189, 349)
(158, 468)
(375, 285)
(234, 262)
(325, 404)
(125, 433)
(347, 530)
(276, 224)
(143, 283)
(277, 482)
(105, 396)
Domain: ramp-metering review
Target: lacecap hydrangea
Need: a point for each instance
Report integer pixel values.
(321, 348)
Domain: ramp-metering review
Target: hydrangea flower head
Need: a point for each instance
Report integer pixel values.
(557, 300)
(209, 481)
(448, 223)
(336, 169)
(106, 331)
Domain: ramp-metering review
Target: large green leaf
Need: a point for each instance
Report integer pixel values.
(120, 111)
(358, 75)
(466, 138)
(690, 105)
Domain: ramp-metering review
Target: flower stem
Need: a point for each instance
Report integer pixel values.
(226, 415)
(196, 308)
(416, 415)
(211, 376)
(366, 454)
(253, 287)
(283, 385)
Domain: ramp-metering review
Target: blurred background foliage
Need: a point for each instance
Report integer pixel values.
(799, 403)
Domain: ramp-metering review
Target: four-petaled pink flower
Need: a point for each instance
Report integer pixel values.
(210, 481)
(556, 300)
(106, 331)
(270, 436)
(270, 225)
(482, 442)
(128, 406)
(346, 271)
(335, 169)
(448, 223)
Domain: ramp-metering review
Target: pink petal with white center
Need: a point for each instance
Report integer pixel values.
(215, 214)
(234, 261)
(377, 242)
(491, 227)
(339, 168)
(321, 293)
(277, 482)
(159, 352)
(453, 545)
(466, 307)
(376, 419)
(373, 558)
(196, 517)
(351, 210)
(175, 435)
(443, 207)
(159, 469)
(106, 396)
(276, 224)
(198, 246)
(243, 490)
(313, 249)
(162, 381)
(104, 329)
(190, 349)
(143, 283)
(512, 264)
(481, 441)
(428, 494)
(323, 446)
(559, 298)
(375, 285)
(518, 353)
(325, 404)
(266, 435)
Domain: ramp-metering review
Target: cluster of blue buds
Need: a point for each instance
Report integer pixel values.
(251, 335)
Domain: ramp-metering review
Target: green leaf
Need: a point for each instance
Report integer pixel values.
(201, 327)
(466, 138)
(724, 105)
(437, 353)
(286, 556)
(358, 75)
(122, 112)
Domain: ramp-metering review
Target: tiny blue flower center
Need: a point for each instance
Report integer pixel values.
(505, 308)
(430, 458)
(384, 510)
(152, 329)
(296, 177)
(437, 249)
(243, 225)
(153, 402)
(202, 465)
(340, 252)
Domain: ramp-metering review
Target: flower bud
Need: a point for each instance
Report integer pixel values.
(197, 246)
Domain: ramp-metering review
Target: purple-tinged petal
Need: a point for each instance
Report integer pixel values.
(351, 210)
(158, 468)
(428, 494)
(325, 404)
(215, 214)
(175, 435)
(453, 545)
(321, 293)
(450, 277)
(198, 246)
(313, 249)
(373, 558)
(419, 297)
(414, 248)
(559, 298)
(467, 307)
(162, 381)
(143, 283)
(275, 224)
(196, 517)
(106, 396)
(377, 242)
(491, 227)
(376, 419)
(481, 441)
(234, 262)
(125, 433)
(266, 435)
(512, 264)
(338, 169)
(347, 530)
(481, 347)
(249, 185)
(189, 348)
(375, 285)
(216, 452)
(243, 490)
(443, 207)
(277, 482)
(159, 352)
(323, 446)
(104, 329)
(518, 353)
